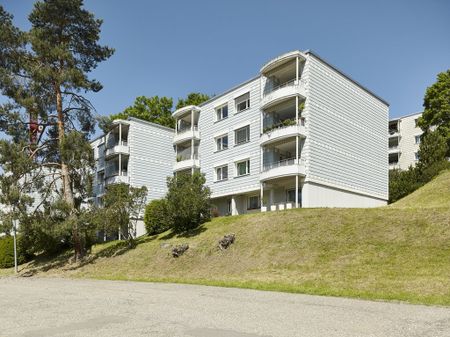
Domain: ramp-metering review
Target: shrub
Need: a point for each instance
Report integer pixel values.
(156, 217)
(7, 252)
(188, 201)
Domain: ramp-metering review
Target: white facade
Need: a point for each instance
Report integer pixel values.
(134, 152)
(404, 141)
(302, 125)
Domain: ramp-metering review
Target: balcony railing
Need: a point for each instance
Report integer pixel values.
(283, 124)
(280, 86)
(284, 162)
(187, 129)
(186, 157)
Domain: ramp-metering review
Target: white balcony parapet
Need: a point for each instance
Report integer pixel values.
(282, 133)
(182, 136)
(282, 92)
(394, 149)
(183, 110)
(283, 168)
(120, 147)
(117, 179)
(278, 61)
(186, 164)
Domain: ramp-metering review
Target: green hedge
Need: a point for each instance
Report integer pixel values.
(156, 217)
(7, 252)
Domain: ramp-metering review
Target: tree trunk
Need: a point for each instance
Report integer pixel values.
(67, 189)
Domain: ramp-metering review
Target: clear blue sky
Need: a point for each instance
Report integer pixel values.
(171, 48)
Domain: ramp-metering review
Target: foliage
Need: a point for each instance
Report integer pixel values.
(156, 217)
(151, 109)
(283, 124)
(432, 160)
(44, 73)
(7, 252)
(123, 206)
(194, 98)
(437, 108)
(188, 201)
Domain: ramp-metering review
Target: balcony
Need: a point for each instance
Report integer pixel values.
(283, 92)
(283, 168)
(188, 163)
(282, 130)
(117, 178)
(119, 147)
(282, 60)
(394, 149)
(186, 134)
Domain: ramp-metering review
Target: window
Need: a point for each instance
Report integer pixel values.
(417, 138)
(222, 112)
(222, 143)
(416, 156)
(290, 196)
(253, 202)
(243, 168)
(243, 102)
(222, 173)
(242, 135)
(415, 122)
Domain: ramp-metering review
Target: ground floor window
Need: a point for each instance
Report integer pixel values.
(290, 196)
(253, 202)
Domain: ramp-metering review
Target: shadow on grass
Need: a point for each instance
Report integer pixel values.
(63, 260)
(188, 234)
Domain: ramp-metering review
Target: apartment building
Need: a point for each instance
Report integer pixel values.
(404, 141)
(137, 153)
(300, 134)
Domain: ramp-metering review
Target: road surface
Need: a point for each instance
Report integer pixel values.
(35, 307)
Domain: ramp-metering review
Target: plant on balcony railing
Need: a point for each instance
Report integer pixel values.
(283, 124)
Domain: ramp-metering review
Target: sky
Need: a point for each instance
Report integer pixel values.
(171, 48)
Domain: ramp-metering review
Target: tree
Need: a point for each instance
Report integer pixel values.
(156, 217)
(194, 98)
(188, 201)
(123, 206)
(432, 156)
(44, 72)
(152, 109)
(437, 108)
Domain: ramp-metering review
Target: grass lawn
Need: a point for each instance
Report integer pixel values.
(391, 253)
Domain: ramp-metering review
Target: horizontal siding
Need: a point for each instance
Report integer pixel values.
(346, 132)
(151, 158)
(209, 129)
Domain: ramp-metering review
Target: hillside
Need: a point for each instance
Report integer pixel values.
(434, 194)
(400, 252)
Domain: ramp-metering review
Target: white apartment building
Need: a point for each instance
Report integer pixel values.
(134, 152)
(300, 134)
(404, 141)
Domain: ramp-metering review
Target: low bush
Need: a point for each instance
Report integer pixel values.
(7, 252)
(156, 217)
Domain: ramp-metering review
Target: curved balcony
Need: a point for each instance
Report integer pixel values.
(283, 168)
(282, 59)
(282, 133)
(184, 110)
(185, 135)
(122, 147)
(117, 179)
(283, 92)
(186, 164)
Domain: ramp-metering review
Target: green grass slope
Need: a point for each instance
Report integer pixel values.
(400, 252)
(434, 194)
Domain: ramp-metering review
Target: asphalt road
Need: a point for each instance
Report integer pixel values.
(61, 307)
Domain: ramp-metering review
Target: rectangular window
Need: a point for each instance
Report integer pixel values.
(243, 168)
(253, 202)
(243, 102)
(417, 139)
(222, 112)
(222, 173)
(416, 156)
(415, 122)
(290, 195)
(222, 143)
(242, 135)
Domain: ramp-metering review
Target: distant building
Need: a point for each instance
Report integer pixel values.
(137, 153)
(404, 141)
